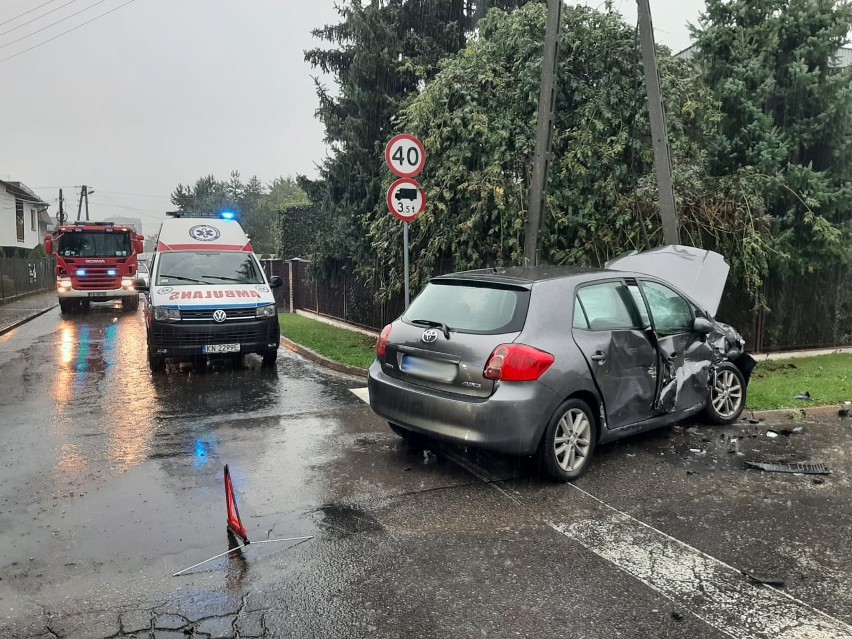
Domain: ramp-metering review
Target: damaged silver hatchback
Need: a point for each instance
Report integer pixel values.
(556, 360)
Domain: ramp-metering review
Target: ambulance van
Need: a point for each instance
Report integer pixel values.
(207, 295)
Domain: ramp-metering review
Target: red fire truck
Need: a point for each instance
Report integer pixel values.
(95, 261)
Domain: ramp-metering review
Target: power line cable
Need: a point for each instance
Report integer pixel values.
(21, 15)
(52, 24)
(23, 24)
(59, 35)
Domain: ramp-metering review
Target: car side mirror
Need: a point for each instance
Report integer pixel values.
(275, 281)
(702, 325)
(139, 284)
(48, 244)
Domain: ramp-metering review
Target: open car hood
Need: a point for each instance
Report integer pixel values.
(698, 273)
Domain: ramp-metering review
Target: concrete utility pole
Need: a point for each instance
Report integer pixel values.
(544, 131)
(86, 193)
(662, 161)
(61, 216)
(80, 203)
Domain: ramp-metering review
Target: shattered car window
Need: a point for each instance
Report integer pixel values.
(605, 306)
(671, 313)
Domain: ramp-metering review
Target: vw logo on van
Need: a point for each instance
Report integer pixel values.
(429, 336)
(204, 233)
(219, 316)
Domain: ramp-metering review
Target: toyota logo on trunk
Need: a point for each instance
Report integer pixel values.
(429, 336)
(219, 316)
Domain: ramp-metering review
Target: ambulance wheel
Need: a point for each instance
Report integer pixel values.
(269, 358)
(130, 304)
(66, 306)
(157, 363)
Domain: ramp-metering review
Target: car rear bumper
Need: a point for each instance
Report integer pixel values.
(188, 339)
(511, 420)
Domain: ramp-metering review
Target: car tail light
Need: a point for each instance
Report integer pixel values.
(517, 363)
(382, 344)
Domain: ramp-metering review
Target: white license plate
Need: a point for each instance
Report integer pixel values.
(221, 348)
(428, 369)
(97, 294)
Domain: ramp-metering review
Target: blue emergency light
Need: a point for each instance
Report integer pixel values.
(111, 272)
(228, 215)
(81, 272)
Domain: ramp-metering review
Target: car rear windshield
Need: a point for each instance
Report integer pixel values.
(467, 307)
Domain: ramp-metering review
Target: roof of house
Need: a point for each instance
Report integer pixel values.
(21, 192)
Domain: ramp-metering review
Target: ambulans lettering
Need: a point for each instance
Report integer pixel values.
(208, 294)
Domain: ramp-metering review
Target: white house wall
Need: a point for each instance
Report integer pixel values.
(8, 227)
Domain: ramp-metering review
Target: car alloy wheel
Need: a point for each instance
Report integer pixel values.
(568, 442)
(727, 394)
(573, 440)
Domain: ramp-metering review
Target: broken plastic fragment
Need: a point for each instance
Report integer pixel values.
(815, 468)
(769, 581)
(804, 396)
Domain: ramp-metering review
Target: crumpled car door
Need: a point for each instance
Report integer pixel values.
(685, 355)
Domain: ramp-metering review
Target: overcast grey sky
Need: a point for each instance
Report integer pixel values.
(164, 91)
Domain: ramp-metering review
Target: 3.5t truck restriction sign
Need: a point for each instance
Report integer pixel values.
(95, 261)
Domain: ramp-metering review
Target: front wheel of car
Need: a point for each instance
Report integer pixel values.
(726, 396)
(568, 442)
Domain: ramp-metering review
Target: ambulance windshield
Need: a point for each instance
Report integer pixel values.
(208, 268)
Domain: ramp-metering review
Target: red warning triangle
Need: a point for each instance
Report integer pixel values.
(234, 523)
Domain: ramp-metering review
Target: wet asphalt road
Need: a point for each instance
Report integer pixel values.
(111, 481)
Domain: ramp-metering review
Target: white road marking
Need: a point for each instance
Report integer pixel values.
(362, 393)
(711, 590)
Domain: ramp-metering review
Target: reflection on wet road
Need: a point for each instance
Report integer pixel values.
(111, 471)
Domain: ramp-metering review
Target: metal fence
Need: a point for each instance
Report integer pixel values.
(813, 310)
(344, 296)
(805, 311)
(19, 276)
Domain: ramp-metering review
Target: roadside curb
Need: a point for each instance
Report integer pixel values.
(315, 357)
(794, 413)
(20, 322)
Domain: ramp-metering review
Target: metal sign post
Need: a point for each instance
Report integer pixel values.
(405, 156)
(405, 261)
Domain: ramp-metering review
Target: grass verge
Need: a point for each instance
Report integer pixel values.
(774, 383)
(337, 344)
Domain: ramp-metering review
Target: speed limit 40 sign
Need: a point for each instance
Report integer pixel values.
(406, 200)
(405, 155)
